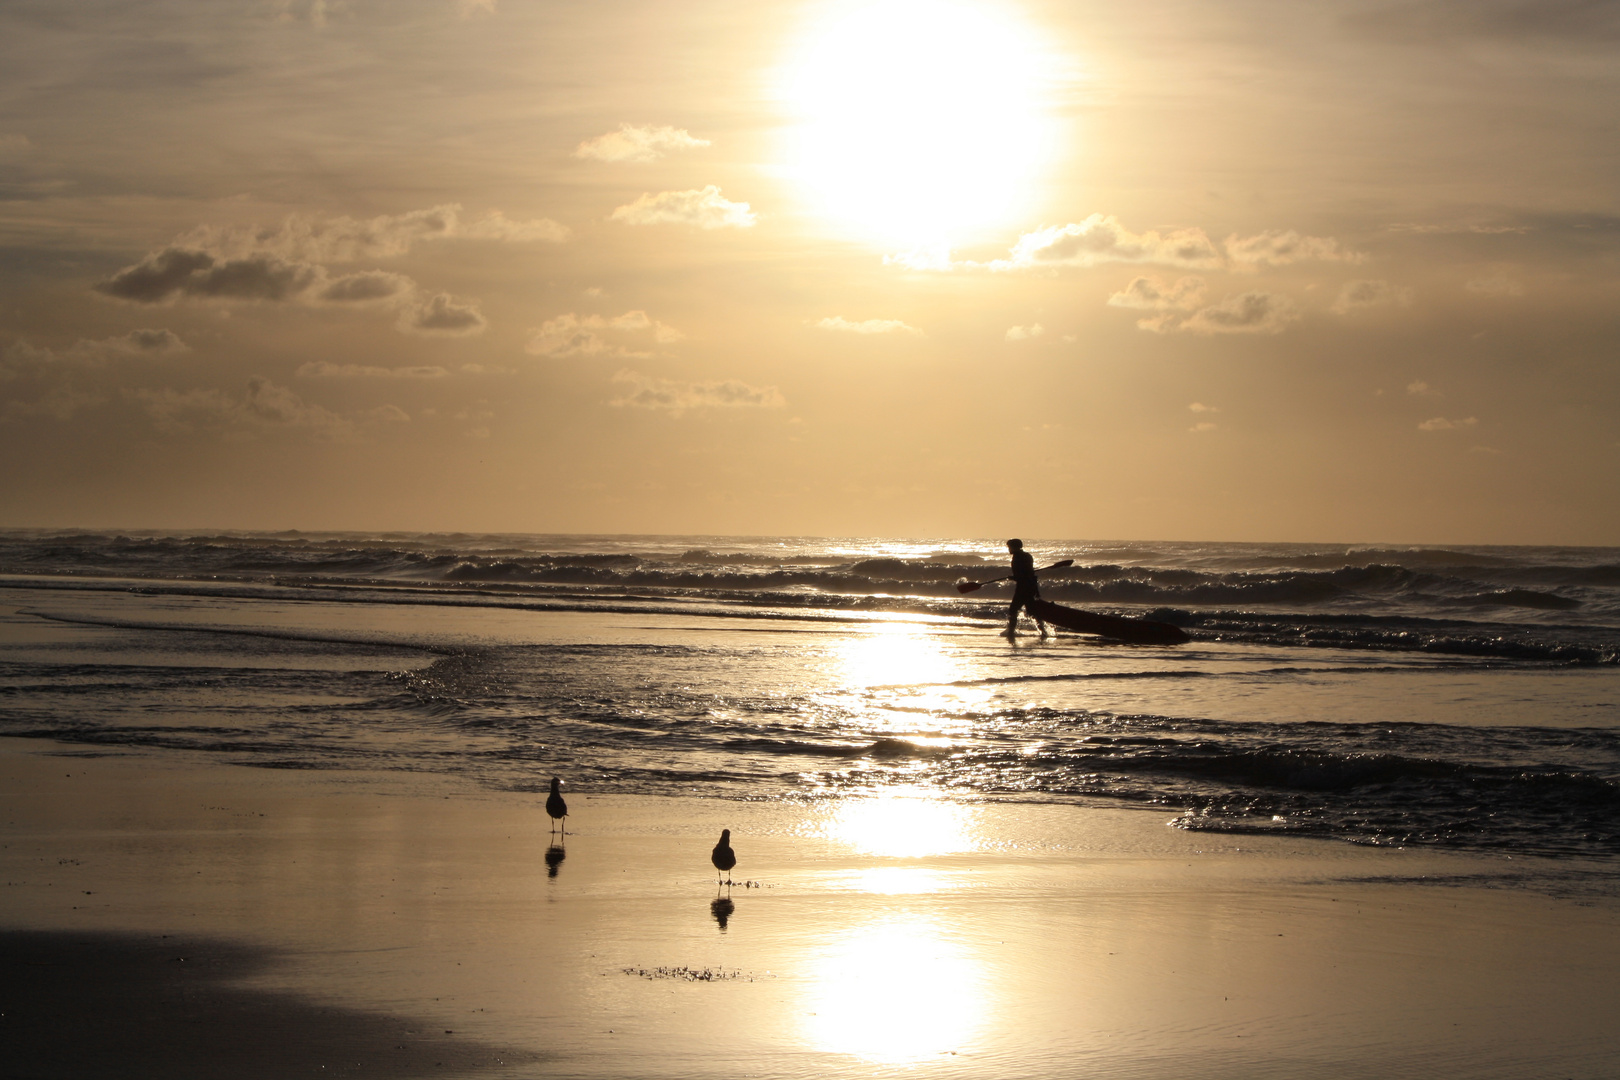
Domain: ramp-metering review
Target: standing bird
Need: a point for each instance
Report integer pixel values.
(557, 808)
(723, 857)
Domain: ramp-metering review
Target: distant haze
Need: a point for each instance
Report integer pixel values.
(1227, 269)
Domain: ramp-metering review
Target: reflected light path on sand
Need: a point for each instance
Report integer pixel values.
(901, 825)
(895, 992)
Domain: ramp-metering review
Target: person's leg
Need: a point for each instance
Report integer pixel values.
(1012, 616)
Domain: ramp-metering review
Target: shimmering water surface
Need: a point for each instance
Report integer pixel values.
(1460, 697)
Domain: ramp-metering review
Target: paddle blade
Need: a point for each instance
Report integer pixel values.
(968, 586)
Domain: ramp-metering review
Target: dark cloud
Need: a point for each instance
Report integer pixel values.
(444, 316)
(257, 277)
(154, 340)
(177, 271)
(156, 277)
(366, 287)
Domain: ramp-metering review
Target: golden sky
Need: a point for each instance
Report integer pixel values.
(1227, 269)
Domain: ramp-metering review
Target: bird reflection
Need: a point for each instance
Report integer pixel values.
(721, 909)
(555, 854)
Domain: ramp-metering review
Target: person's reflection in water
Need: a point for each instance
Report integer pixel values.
(721, 909)
(554, 857)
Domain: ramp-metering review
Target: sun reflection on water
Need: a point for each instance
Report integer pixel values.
(894, 654)
(897, 991)
(902, 670)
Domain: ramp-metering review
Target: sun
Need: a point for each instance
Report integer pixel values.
(919, 123)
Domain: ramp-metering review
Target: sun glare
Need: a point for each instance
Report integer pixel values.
(919, 123)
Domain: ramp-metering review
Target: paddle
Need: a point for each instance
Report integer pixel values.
(970, 586)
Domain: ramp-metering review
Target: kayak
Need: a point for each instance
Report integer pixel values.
(1138, 631)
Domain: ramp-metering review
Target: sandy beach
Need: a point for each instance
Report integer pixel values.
(194, 919)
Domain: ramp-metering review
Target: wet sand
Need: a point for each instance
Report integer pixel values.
(355, 924)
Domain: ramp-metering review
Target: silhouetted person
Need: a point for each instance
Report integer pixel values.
(1025, 588)
(723, 858)
(557, 808)
(721, 909)
(554, 857)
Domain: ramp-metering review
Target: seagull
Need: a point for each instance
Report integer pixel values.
(556, 807)
(723, 857)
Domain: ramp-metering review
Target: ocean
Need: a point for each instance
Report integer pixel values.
(1462, 697)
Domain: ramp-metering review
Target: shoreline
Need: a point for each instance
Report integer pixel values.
(890, 936)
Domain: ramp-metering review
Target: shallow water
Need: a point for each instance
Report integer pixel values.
(1383, 696)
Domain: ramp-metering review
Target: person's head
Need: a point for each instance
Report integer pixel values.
(1015, 545)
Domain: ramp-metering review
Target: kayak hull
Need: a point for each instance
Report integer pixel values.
(1137, 631)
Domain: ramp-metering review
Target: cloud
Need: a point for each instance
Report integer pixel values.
(320, 369)
(177, 411)
(368, 286)
(1495, 285)
(1440, 423)
(300, 10)
(571, 335)
(867, 326)
(638, 143)
(1203, 425)
(1245, 313)
(664, 395)
(44, 382)
(1419, 388)
(1283, 248)
(1510, 21)
(13, 144)
(264, 407)
(176, 271)
(1200, 407)
(706, 208)
(468, 8)
(307, 238)
(1100, 239)
(934, 259)
(1361, 295)
(287, 262)
(1151, 294)
(1025, 333)
(304, 238)
(497, 226)
(442, 315)
(1427, 229)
